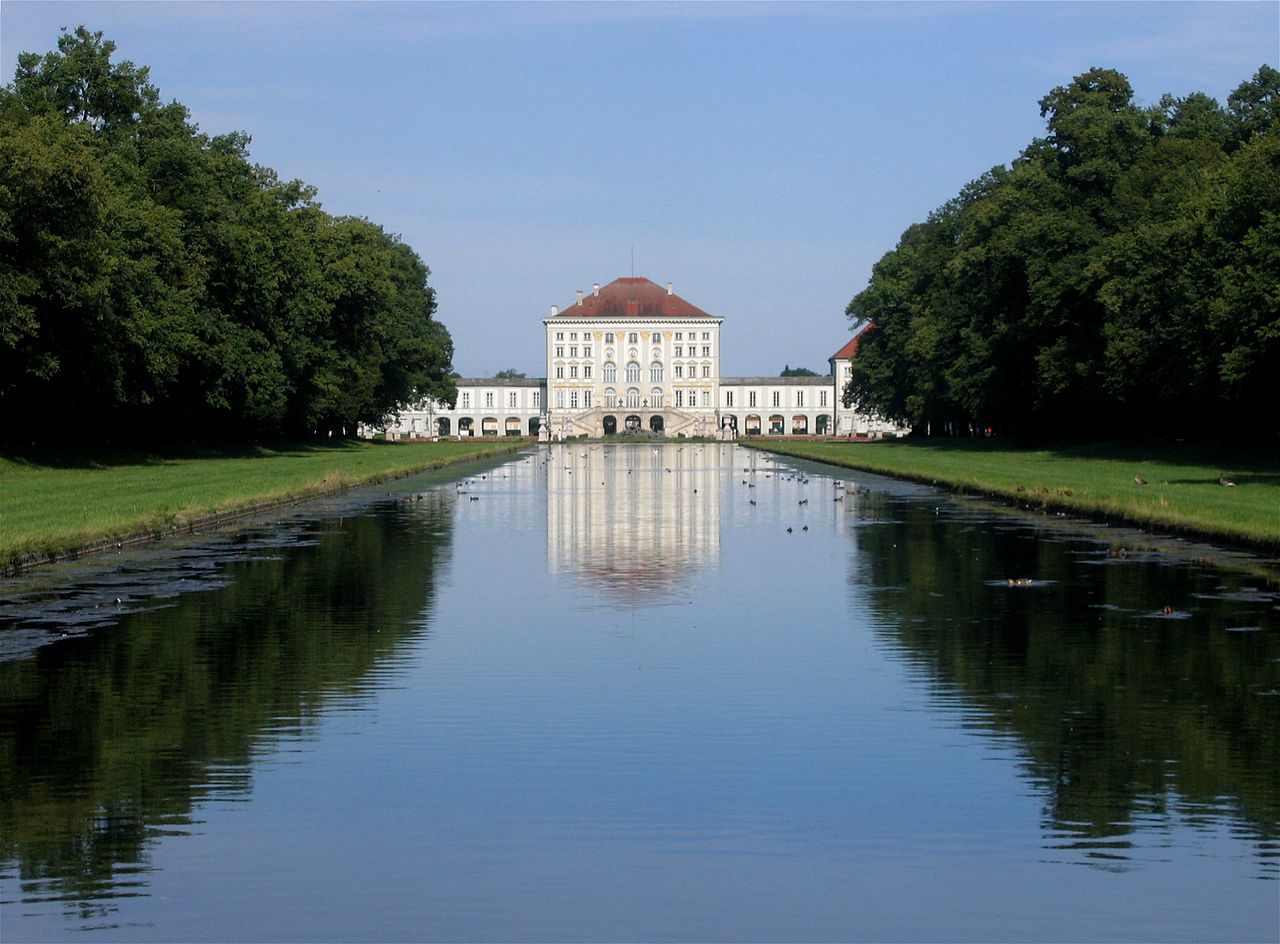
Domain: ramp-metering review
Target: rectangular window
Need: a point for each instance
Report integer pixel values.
(511, 399)
(573, 399)
(573, 371)
(706, 370)
(559, 373)
(777, 398)
(586, 371)
(679, 335)
(679, 371)
(680, 398)
(488, 398)
(537, 399)
(679, 351)
(573, 352)
(466, 401)
(706, 335)
(586, 351)
(573, 335)
(586, 398)
(559, 335)
(706, 350)
(822, 398)
(559, 399)
(751, 398)
(728, 398)
(633, 337)
(657, 338)
(608, 337)
(559, 351)
(800, 398)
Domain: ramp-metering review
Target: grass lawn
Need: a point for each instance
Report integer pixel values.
(1182, 492)
(53, 502)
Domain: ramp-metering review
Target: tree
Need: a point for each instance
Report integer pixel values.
(154, 281)
(789, 371)
(1119, 277)
(509, 374)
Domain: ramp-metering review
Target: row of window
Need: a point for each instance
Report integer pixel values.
(633, 337)
(633, 372)
(513, 399)
(633, 376)
(679, 351)
(581, 399)
(776, 398)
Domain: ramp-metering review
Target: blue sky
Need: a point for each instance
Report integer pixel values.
(761, 157)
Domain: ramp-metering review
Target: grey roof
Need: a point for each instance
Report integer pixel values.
(501, 381)
(822, 380)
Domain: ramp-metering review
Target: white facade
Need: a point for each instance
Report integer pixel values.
(634, 357)
(656, 368)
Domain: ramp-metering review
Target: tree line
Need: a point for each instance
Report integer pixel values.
(1120, 278)
(156, 283)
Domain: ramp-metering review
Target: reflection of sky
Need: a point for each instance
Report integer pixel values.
(765, 757)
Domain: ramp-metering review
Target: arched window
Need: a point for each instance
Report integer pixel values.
(655, 398)
(633, 397)
(655, 372)
(610, 397)
(610, 373)
(633, 372)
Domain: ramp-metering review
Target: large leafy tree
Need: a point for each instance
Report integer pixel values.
(1119, 277)
(155, 282)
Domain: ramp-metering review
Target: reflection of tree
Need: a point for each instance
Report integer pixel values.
(1124, 714)
(111, 738)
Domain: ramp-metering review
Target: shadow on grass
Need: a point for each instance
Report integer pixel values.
(1261, 478)
(106, 457)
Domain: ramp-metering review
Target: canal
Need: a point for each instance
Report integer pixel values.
(643, 692)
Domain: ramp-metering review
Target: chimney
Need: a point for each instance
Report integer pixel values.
(579, 298)
(555, 310)
(668, 288)
(595, 289)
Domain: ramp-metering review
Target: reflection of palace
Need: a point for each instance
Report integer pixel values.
(632, 519)
(633, 356)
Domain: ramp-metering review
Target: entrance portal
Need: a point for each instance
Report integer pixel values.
(633, 424)
(655, 422)
(610, 425)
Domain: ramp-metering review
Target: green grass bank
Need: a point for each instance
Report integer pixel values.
(57, 503)
(1182, 494)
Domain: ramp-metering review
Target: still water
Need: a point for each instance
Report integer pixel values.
(637, 693)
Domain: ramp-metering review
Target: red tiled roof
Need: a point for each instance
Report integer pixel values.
(632, 298)
(851, 346)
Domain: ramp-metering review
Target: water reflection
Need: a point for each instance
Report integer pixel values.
(1143, 689)
(109, 741)
(740, 698)
(634, 522)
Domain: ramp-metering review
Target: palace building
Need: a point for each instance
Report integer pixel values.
(633, 356)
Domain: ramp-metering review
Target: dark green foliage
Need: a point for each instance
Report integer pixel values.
(789, 371)
(1120, 278)
(156, 283)
(509, 374)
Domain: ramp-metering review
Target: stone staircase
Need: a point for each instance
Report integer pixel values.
(590, 422)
